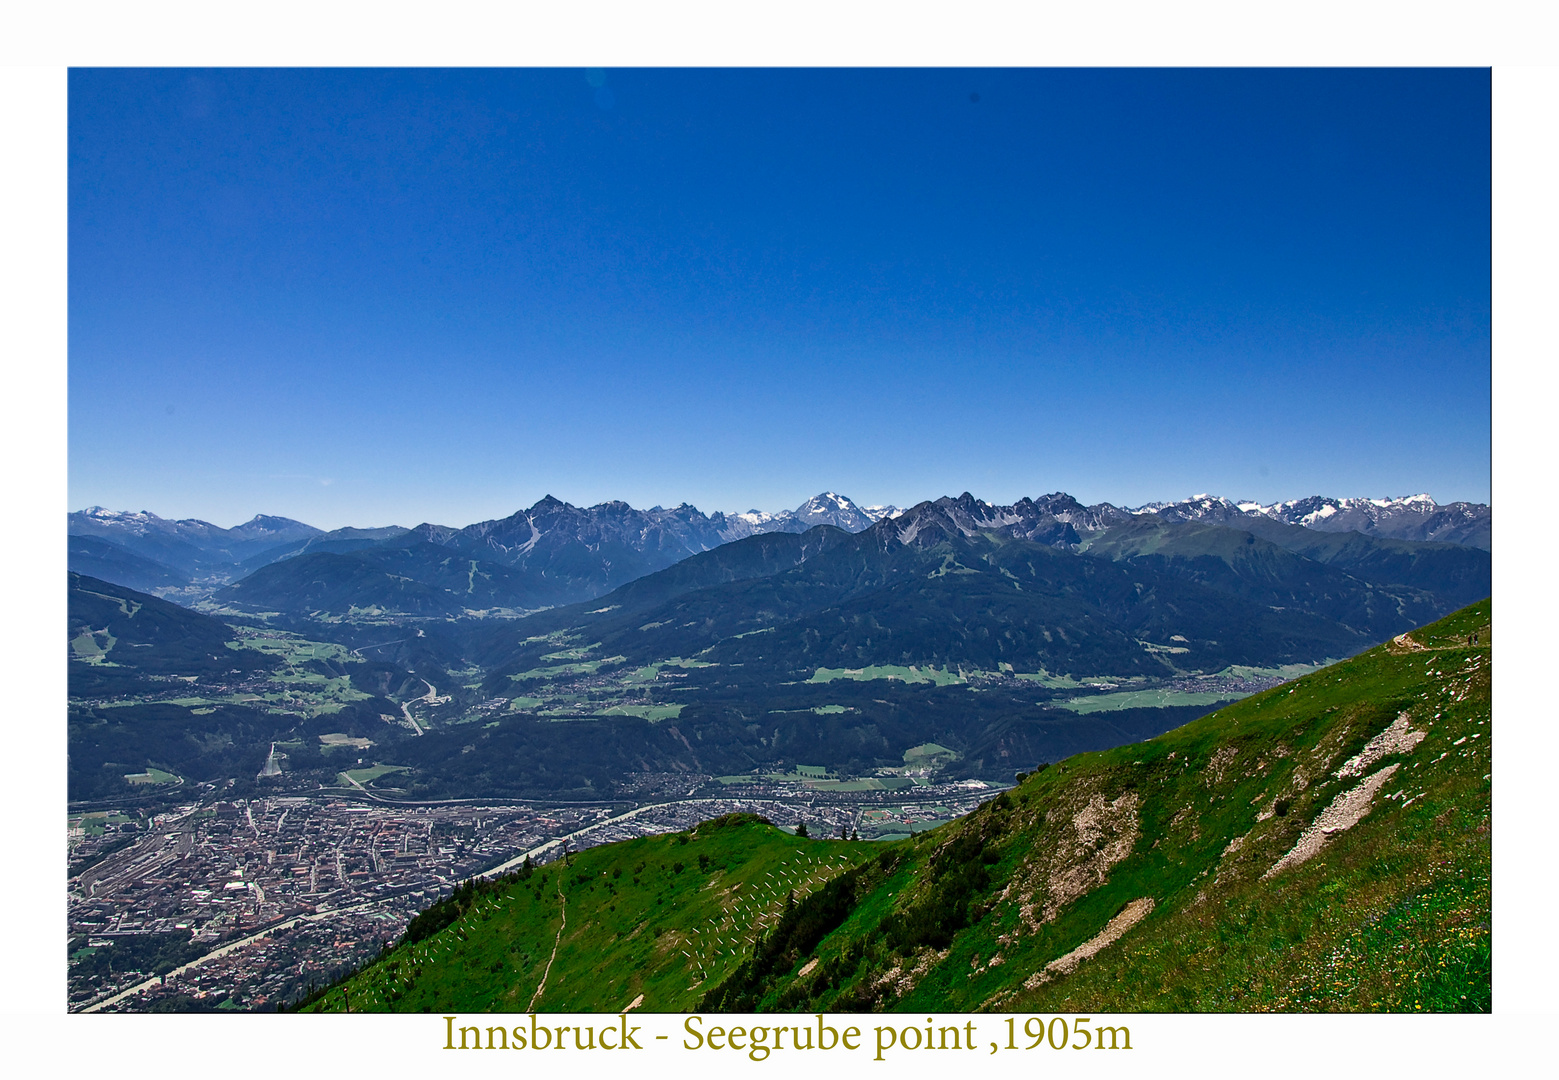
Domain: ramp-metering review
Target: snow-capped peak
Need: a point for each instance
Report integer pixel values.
(102, 513)
(827, 508)
(1197, 506)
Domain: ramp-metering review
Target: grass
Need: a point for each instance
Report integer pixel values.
(664, 916)
(813, 777)
(85, 645)
(641, 676)
(870, 783)
(293, 648)
(153, 776)
(1284, 671)
(91, 822)
(1146, 699)
(577, 653)
(652, 713)
(558, 671)
(337, 738)
(289, 689)
(911, 674)
(1390, 914)
(369, 775)
(561, 703)
(927, 753)
(1054, 682)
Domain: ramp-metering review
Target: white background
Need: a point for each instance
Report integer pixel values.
(38, 43)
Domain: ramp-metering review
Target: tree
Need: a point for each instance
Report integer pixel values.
(801, 828)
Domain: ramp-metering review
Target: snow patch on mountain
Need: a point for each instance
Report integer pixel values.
(1409, 517)
(828, 508)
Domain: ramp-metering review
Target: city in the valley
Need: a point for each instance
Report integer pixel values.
(244, 903)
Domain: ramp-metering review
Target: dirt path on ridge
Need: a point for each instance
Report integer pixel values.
(563, 912)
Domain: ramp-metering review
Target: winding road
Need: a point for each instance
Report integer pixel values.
(410, 719)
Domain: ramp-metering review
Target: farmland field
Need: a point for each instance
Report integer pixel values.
(369, 775)
(910, 674)
(153, 776)
(1147, 699)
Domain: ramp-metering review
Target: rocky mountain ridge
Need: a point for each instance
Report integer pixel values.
(601, 547)
(1412, 517)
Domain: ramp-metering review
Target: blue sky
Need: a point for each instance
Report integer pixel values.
(365, 297)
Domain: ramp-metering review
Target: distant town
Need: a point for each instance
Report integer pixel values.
(243, 904)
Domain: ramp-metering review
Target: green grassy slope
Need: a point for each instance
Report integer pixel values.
(1164, 875)
(666, 917)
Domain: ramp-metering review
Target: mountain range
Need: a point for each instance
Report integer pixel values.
(557, 556)
(556, 553)
(581, 548)
(1040, 585)
(1416, 517)
(1006, 634)
(189, 548)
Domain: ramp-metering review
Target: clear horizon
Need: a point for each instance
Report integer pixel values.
(360, 296)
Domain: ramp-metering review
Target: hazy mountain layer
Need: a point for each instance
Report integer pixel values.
(108, 561)
(190, 546)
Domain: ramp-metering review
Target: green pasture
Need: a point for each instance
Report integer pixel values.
(926, 753)
(369, 775)
(558, 671)
(153, 776)
(652, 713)
(1147, 699)
(87, 646)
(910, 674)
(338, 739)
